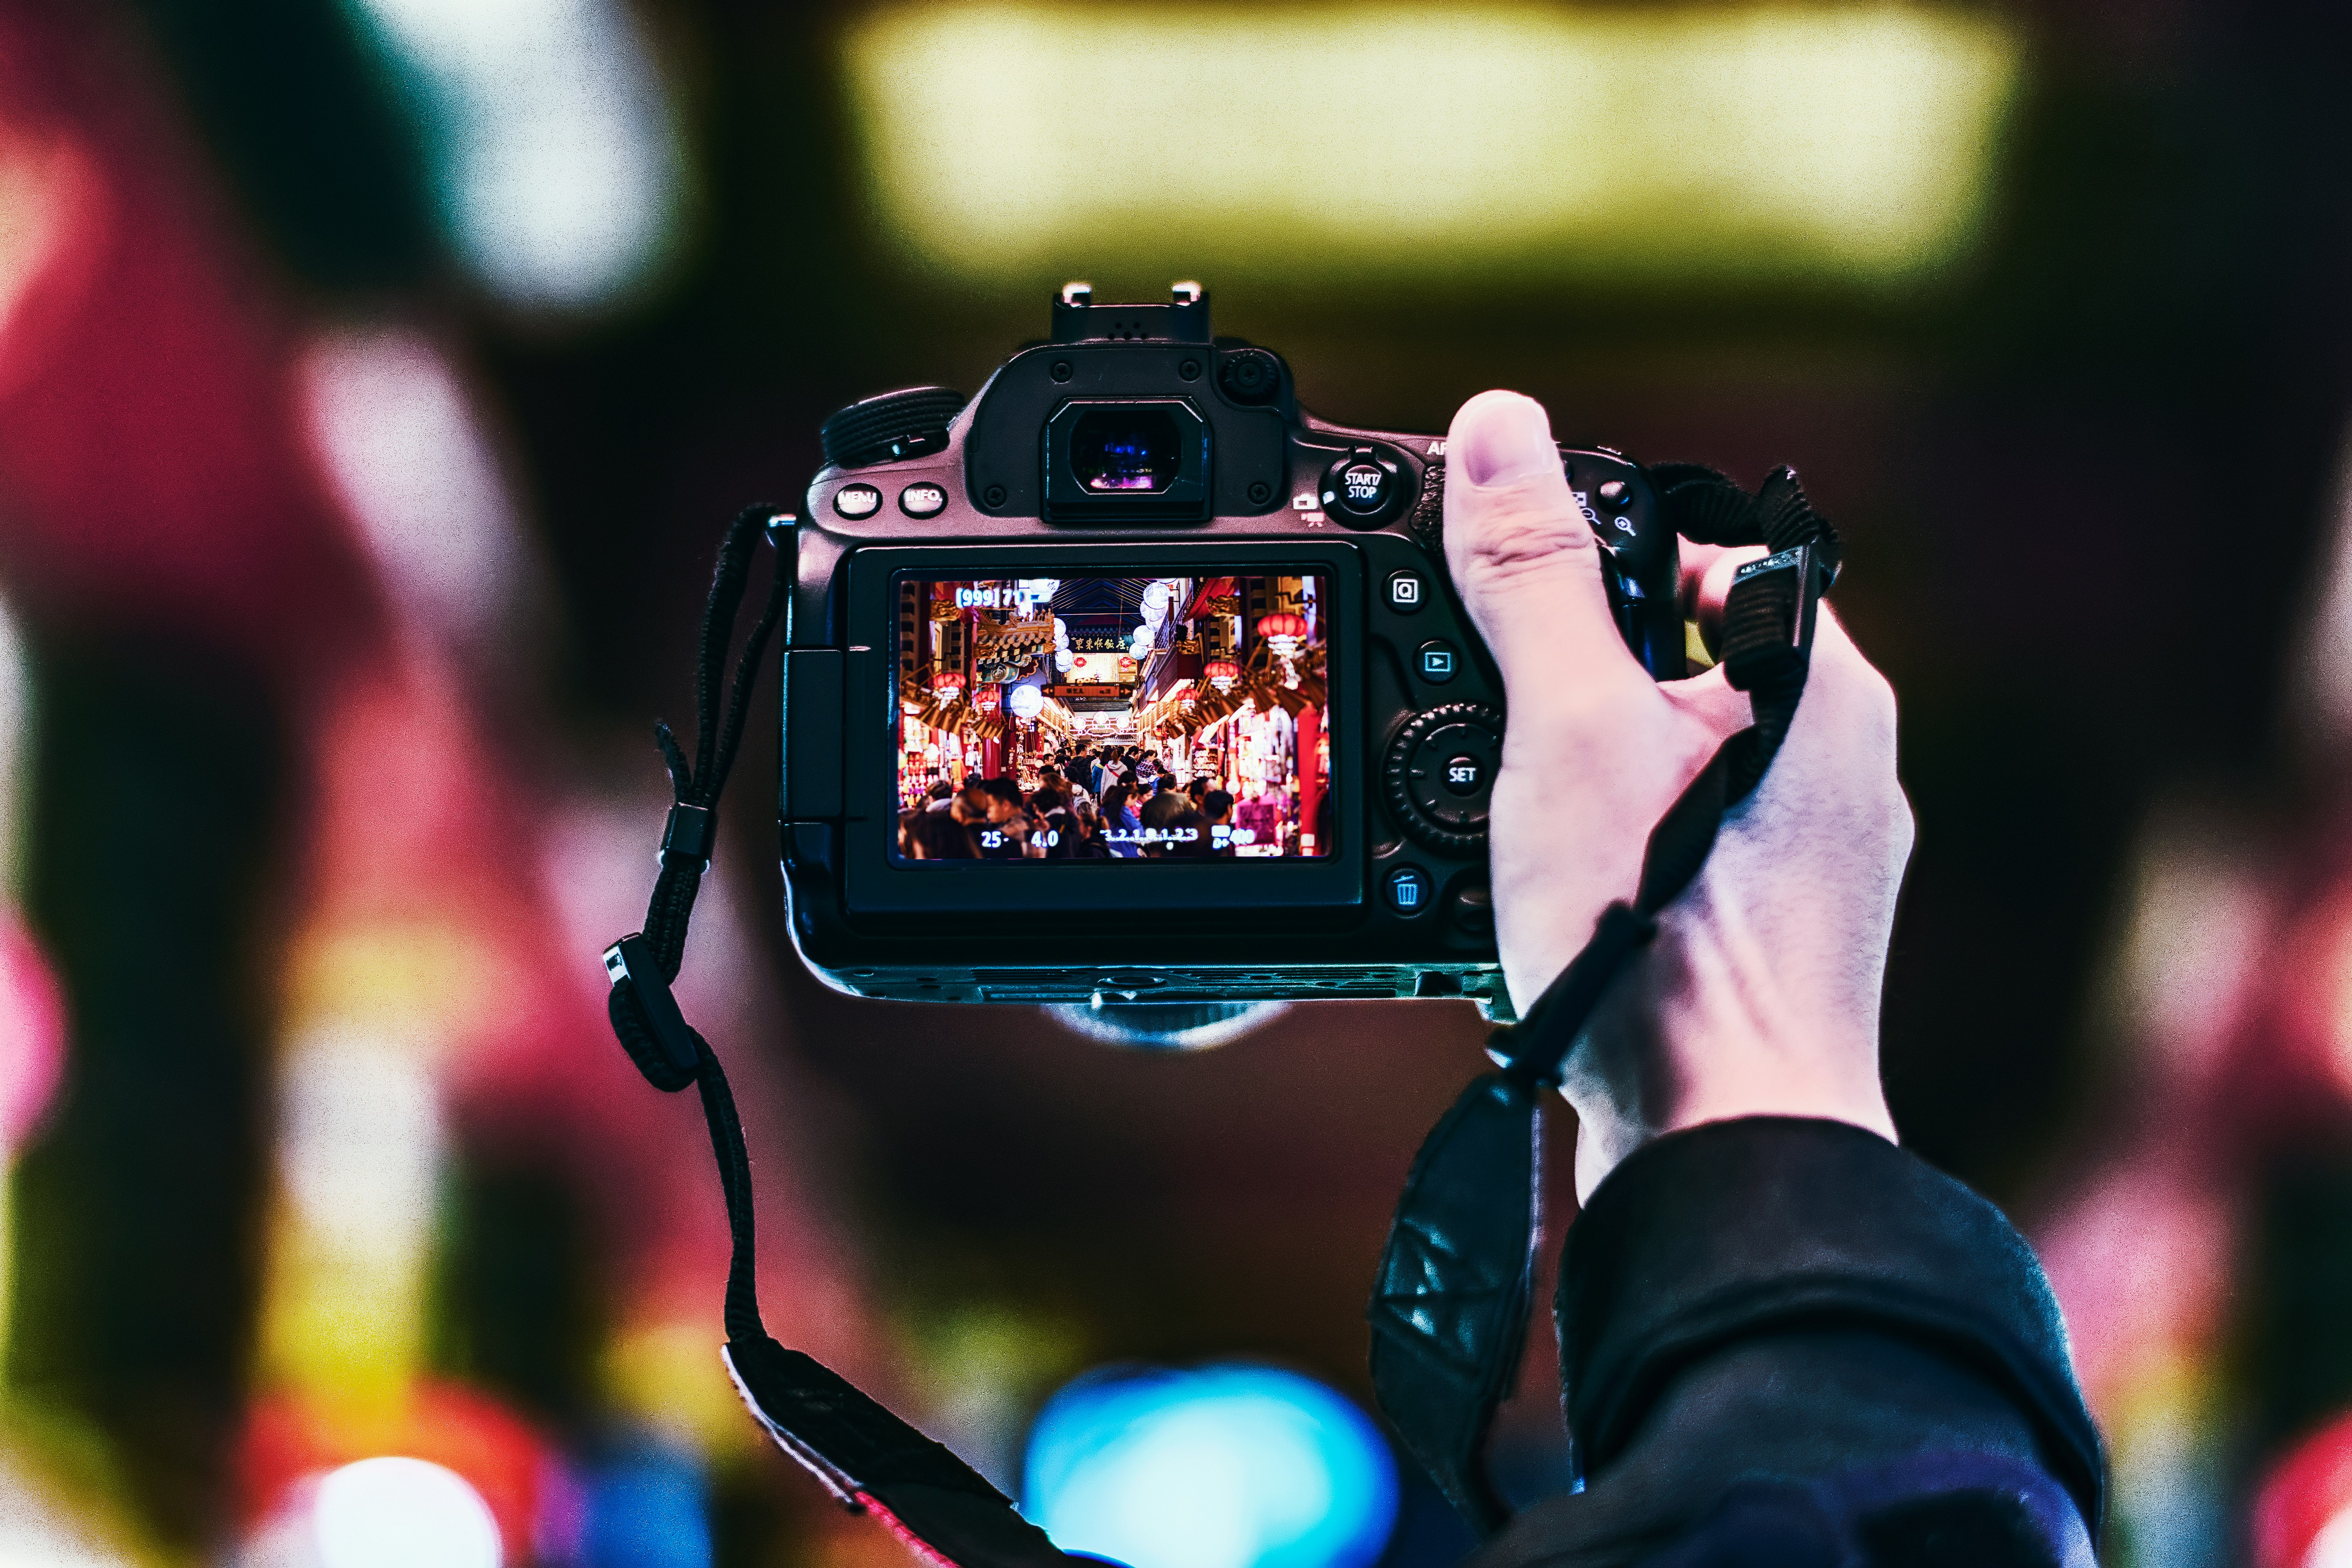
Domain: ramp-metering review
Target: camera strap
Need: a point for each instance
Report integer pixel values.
(1450, 1302)
(1449, 1311)
(870, 1459)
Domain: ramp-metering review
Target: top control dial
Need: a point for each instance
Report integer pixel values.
(893, 425)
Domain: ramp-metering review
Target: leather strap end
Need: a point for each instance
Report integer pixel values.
(1449, 1307)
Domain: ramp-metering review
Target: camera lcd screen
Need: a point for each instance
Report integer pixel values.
(1067, 720)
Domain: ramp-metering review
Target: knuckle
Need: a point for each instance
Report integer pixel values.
(1535, 515)
(1878, 707)
(1901, 824)
(1859, 699)
(1525, 535)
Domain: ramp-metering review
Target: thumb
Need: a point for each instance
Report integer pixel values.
(1522, 556)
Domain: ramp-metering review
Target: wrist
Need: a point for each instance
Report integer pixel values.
(1700, 1029)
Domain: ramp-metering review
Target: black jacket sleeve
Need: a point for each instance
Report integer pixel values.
(1778, 1301)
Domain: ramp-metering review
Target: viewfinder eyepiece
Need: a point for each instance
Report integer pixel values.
(1125, 451)
(1120, 459)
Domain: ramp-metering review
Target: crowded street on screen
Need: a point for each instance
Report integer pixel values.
(1114, 719)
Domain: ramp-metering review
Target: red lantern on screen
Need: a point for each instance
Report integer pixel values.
(1223, 673)
(987, 698)
(948, 684)
(1187, 698)
(1283, 632)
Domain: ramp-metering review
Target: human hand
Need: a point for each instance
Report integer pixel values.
(1760, 994)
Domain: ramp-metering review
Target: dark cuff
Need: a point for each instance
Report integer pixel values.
(1734, 1228)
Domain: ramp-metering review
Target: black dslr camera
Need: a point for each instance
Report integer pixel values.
(1225, 627)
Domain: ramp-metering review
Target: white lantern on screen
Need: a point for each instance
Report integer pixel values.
(1063, 659)
(1026, 702)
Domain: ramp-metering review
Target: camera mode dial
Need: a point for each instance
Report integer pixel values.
(894, 425)
(1363, 487)
(1440, 775)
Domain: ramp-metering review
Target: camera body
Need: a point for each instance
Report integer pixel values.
(1133, 552)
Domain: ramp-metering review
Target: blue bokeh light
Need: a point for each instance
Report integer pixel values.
(647, 1507)
(1224, 1466)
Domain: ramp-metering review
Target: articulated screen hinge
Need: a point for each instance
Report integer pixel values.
(813, 735)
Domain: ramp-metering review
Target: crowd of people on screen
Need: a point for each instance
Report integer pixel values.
(1116, 802)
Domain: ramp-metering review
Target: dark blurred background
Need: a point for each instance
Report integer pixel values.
(375, 378)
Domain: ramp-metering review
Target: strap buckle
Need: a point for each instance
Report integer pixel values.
(1769, 615)
(631, 963)
(688, 835)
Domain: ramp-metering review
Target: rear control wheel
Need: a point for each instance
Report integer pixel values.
(1439, 776)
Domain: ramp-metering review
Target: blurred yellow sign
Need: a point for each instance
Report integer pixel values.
(1014, 142)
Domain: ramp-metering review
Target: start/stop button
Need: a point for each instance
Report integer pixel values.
(1363, 488)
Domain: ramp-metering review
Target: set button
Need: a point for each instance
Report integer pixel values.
(1449, 771)
(1463, 775)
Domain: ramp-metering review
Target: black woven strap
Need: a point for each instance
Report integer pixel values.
(1449, 1308)
(870, 1460)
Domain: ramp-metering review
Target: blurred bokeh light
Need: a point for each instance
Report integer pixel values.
(555, 150)
(389, 1512)
(1222, 1466)
(1455, 140)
